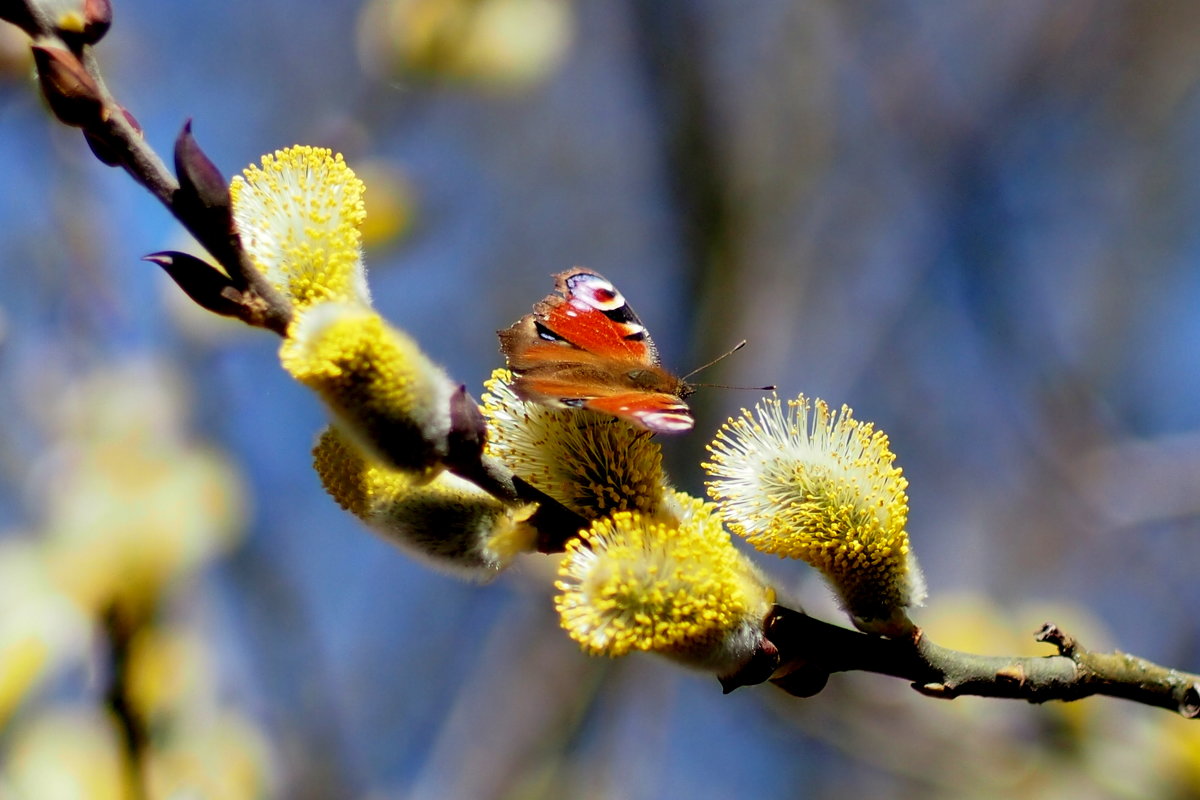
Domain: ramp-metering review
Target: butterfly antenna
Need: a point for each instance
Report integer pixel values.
(722, 357)
(772, 387)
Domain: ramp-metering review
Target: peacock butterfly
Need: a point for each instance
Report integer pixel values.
(583, 347)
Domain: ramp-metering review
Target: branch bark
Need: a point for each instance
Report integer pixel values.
(811, 650)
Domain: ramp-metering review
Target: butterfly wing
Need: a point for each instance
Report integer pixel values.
(584, 347)
(589, 313)
(654, 411)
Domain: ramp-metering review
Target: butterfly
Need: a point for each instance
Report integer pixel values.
(583, 347)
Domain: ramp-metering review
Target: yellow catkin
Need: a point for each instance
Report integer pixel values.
(386, 394)
(821, 486)
(298, 216)
(447, 522)
(591, 463)
(678, 588)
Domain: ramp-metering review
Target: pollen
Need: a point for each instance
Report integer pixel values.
(591, 463)
(810, 483)
(676, 587)
(71, 21)
(299, 215)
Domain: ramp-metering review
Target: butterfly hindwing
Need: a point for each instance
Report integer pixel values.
(658, 412)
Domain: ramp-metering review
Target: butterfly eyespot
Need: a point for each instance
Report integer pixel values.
(586, 290)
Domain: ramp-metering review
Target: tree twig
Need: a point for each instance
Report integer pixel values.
(811, 650)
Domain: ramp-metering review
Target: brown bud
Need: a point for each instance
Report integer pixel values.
(200, 182)
(97, 18)
(759, 667)
(202, 201)
(1189, 707)
(132, 120)
(205, 284)
(555, 524)
(102, 150)
(108, 152)
(800, 672)
(72, 94)
(804, 680)
(468, 429)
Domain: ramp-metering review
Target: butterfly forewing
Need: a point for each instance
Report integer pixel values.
(592, 315)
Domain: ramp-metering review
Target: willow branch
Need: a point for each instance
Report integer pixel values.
(77, 94)
(75, 89)
(811, 650)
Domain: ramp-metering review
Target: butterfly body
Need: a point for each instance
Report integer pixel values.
(584, 347)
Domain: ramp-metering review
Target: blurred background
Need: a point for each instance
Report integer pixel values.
(975, 223)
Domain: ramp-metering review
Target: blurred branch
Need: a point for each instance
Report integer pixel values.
(120, 628)
(671, 47)
(811, 650)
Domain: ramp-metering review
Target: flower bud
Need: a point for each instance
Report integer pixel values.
(133, 122)
(105, 153)
(111, 154)
(206, 285)
(97, 18)
(72, 94)
(468, 430)
(203, 201)
(203, 195)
